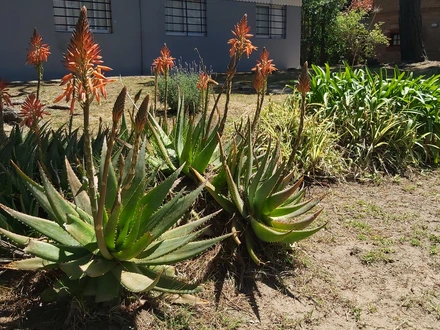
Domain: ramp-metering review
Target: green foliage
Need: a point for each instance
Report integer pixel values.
(317, 153)
(354, 40)
(22, 149)
(140, 240)
(317, 19)
(182, 80)
(382, 122)
(266, 206)
(191, 143)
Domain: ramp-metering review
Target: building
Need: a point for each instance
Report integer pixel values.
(389, 14)
(131, 32)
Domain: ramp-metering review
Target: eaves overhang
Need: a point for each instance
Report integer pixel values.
(297, 3)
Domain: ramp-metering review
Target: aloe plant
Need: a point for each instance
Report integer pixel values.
(191, 143)
(136, 227)
(266, 205)
(113, 233)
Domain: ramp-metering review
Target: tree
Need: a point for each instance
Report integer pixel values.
(318, 16)
(412, 48)
(354, 39)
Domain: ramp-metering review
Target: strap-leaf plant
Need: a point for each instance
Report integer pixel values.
(115, 234)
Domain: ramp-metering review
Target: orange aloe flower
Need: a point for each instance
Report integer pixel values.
(4, 94)
(241, 44)
(263, 69)
(164, 62)
(83, 59)
(32, 111)
(203, 81)
(258, 81)
(37, 52)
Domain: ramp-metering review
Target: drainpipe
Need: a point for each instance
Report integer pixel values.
(142, 37)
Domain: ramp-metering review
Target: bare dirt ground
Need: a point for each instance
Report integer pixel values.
(375, 266)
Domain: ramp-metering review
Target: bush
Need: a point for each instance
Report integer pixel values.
(353, 39)
(318, 153)
(382, 123)
(183, 80)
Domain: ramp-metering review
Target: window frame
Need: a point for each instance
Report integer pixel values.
(271, 21)
(395, 39)
(185, 30)
(68, 12)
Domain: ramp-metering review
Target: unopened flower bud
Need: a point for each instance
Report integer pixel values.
(304, 80)
(118, 107)
(141, 116)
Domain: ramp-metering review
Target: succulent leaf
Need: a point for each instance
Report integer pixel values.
(54, 253)
(48, 228)
(81, 198)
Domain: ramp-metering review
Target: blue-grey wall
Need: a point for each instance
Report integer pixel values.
(121, 49)
(221, 18)
(133, 45)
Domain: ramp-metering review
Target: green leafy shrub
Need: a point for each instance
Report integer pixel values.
(182, 80)
(382, 122)
(354, 39)
(318, 152)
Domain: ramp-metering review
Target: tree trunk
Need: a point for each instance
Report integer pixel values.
(412, 48)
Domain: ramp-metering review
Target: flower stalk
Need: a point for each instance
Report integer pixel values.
(162, 65)
(37, 54)
(240, 44)
(263, 69)
(303, 87)
(6, 98)
(84, 83)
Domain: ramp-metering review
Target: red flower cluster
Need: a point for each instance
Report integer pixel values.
(164, 62)
(4, 94)
(83, 59)
(241, 44)
(263, 69)
(32, 111)
(37, 52)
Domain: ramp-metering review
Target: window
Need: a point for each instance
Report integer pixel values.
(271, 21)
(185, 17)
(395, 39)
(66, 15)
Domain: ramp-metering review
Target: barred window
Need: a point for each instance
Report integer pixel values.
(395, 39)
(66, 15)
(185, 17)
(271, 21)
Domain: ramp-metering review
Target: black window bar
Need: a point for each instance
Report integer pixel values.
(186, 17)
(99, 14)
(271, 21)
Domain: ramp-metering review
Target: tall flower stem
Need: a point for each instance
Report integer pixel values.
(84, 83)
(155, 91)
(166, 103)
(6, 98)
(90, 170)
(303, 87)
(39, 78)
(3, 135)
(118, 111)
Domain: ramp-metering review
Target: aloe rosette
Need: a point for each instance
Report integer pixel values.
(267, 205)
(136, 240)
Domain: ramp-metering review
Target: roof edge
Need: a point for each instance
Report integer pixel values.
(297, 3)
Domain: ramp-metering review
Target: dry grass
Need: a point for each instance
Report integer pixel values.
(242, 103)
